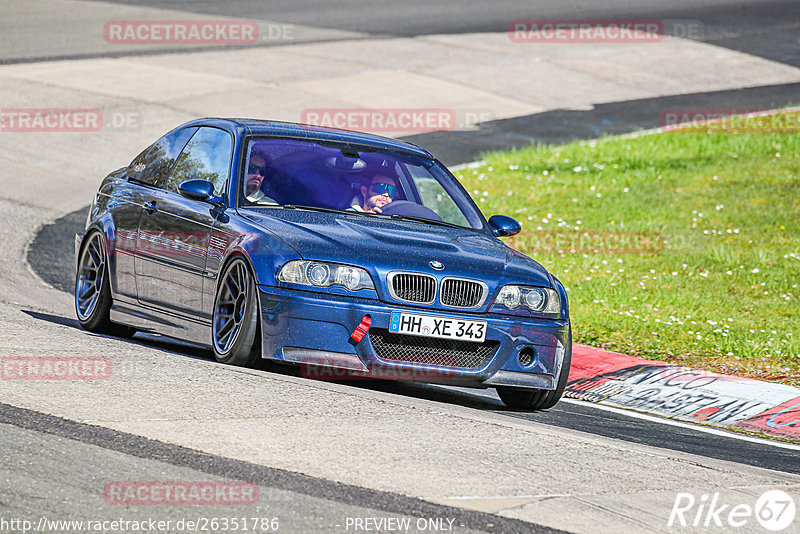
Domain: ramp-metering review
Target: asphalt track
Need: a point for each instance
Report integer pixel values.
(51, 257)
(302, 488)
(766, 28)
(738, 25)
(763, 28)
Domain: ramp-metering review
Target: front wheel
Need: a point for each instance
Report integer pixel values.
(235, 323)
(93, 291)
(539, 399)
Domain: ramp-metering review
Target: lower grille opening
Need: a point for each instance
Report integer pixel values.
(431, 351)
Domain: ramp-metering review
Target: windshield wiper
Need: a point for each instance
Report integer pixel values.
(310, 208)
(397, 216)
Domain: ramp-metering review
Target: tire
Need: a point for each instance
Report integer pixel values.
(539, 399)
(93, 290)
(235, 329)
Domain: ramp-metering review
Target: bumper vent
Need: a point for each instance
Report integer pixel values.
(460, 293)
(412, 287)
(402, 348)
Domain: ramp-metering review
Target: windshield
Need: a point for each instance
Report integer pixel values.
(319, 175)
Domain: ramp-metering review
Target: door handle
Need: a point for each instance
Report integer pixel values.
(150, 207)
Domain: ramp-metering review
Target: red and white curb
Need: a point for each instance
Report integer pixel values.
(614, 379)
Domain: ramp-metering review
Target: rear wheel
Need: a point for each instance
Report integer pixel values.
(539, 399)
(236, 323)
(93, 291)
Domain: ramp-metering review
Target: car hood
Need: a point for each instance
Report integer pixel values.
(382, 245)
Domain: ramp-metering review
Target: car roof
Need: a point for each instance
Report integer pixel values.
(322, 133)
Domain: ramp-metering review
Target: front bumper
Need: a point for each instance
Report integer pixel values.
(313, 328)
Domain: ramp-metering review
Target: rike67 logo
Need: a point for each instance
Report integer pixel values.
(774, 510)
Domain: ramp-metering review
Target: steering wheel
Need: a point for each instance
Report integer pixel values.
(409, 208)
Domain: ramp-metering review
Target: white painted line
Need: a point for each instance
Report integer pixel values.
(502, 497)
(487, 393)
(692, 426)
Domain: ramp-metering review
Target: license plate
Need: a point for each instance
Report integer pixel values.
(441, 327)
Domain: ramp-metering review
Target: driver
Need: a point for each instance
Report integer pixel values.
(256, 171)
(380, 192)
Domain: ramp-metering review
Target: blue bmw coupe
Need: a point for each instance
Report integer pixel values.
(346, 253)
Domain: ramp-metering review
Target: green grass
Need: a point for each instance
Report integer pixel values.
(698, 256)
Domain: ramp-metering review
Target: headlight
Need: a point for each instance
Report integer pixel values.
(321, 274)
(536, 299)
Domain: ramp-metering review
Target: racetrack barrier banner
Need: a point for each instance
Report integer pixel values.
(677, 392)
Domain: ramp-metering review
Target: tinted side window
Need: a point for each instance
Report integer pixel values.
(154, 164)
(206, 157)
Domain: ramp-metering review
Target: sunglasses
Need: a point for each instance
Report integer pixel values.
(381, 188)
(257, 169)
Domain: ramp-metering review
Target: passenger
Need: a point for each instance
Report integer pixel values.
(380, 192)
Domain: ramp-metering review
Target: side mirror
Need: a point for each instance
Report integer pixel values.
(504, 226)
(202, 190)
